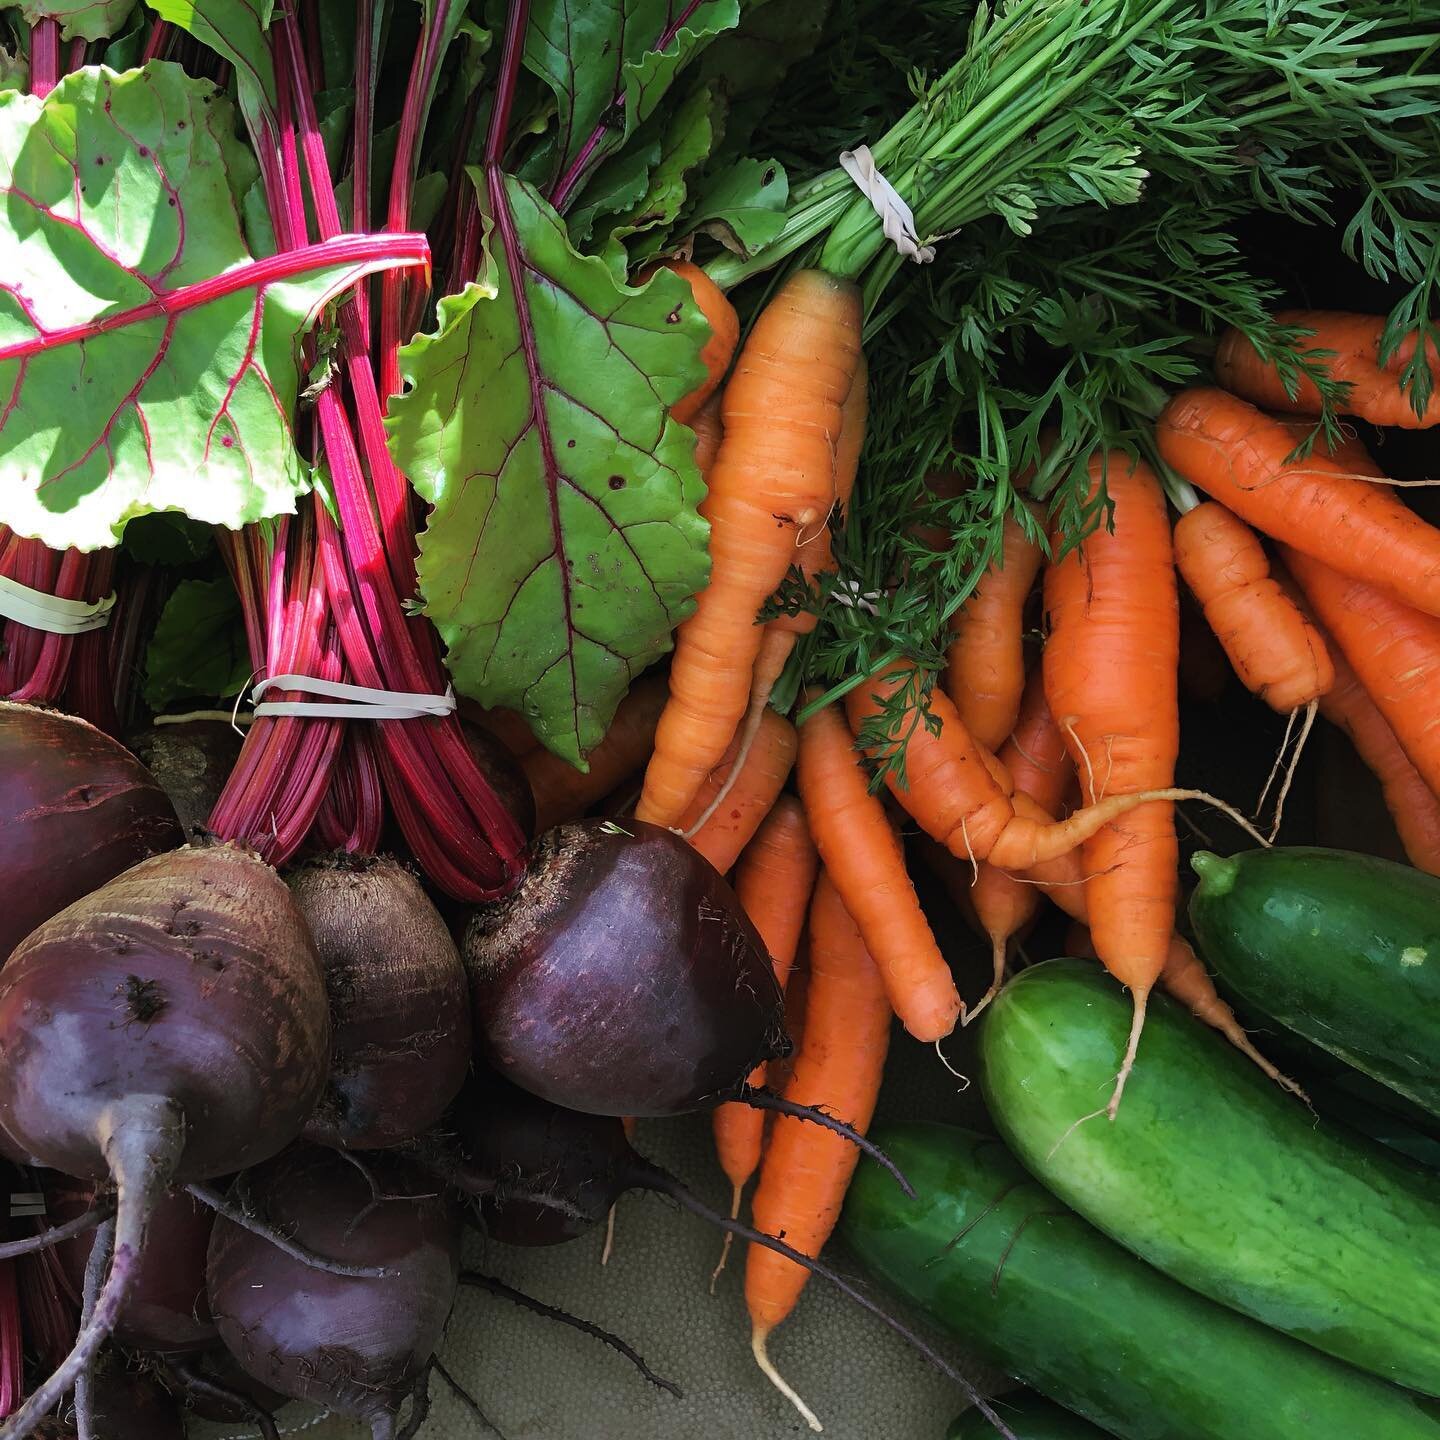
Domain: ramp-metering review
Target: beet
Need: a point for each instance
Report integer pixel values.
(399, 1003)
(170, 1027)
(76, 808)
(503, 771)
(621, 977)
(358, 1347)
(167, 1309)
(191, 760)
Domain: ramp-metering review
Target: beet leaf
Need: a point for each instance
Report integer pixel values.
(564, 545)
(80, 19)
(147, 363)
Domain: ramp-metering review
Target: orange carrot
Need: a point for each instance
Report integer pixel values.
(1110, 677)
(960, 794)
(866, 864)
(1394, 650)
(806, 1169)
(709, 429)
(773, 882)
(1374, 392)
(1276, 652)
(1318, 505)
(756, 783)
(563, 792)
(985, 664)
(1039, 767)
(813, 558)
(718, 351)
(771, 485)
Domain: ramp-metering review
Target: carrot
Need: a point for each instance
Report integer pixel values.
(1318, 505)
(960, 795)
(751, 785)
(813, 559)
(1412, 804)
(718, 351)
(563, 792)
(1276, 652)
(1039, 766)
(1111, 679)
(1374, 389)
(709, 429)
(1186, 979)
(770, 487)
(985, 664)
(863, 857)
(773, 883)
(806, 1169)
(1394, 650)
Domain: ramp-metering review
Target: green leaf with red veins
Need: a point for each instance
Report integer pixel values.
(146, 362)
(564, 544)
(80, 19)
(610, 63)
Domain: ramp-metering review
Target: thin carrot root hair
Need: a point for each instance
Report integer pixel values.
(1278, 764)
(1140, 999)
(758, 1339)
(609, 1249)
(1294, 763)
(1000, 955)
(958, 1074)
(737, 1191)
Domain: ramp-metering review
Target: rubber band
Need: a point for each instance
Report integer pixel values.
(352, 702)
(39, 611)
(896, 217)
(25, 1204)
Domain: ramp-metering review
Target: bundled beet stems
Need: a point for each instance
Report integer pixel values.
(366, 360)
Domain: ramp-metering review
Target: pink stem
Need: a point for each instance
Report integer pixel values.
(44, 57)
(404, 250)
(157, 42)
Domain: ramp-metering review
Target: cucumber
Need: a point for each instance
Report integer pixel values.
(1343, 949)
(1030, 1417)
(1214, 1175)
(1038, 1291)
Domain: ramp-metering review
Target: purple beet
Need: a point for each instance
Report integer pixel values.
(399, 1003)
(76, 808)
(169, 1028)
(191, 760)
(167, 1309)
(622, 977)
(358, 1347)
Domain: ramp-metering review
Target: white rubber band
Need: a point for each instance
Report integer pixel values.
(26, 1203)
(49, 612)
(896, 217)
(354, 702)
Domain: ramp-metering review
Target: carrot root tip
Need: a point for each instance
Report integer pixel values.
(1000, 954)
(758, 1338)
(1137, 1024)
(724, 1259)
(609, 1249)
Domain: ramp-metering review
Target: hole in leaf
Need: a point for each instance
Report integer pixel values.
(617, 482)
(768, 178)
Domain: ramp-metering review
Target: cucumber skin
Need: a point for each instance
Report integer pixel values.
(1030, 1417)
(1081, 1320)
(1215, 1176)
(1343, 949)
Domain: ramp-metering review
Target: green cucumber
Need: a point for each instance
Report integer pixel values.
(1038, 1291)
(1216, 1176)
(1030, 1417)
(1343, 949)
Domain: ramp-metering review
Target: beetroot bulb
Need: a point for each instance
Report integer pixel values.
(167, 1309)
(169, 1028)
(191, 760)
(621, 977)
(76, 808)
(360, 1347)
(399, 1003)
